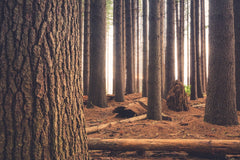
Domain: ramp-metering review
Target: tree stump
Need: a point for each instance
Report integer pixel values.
(177, 97)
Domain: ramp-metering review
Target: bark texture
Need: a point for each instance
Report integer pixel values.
(145, 49)
(170, 49)
(221, 93)
(193, 61)
(97, 84)
(86, 44)
(41, 113)
(154, 77)
(237, 49)
(119, 94)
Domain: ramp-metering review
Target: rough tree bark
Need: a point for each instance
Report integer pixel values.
(40, 81)
(221, 92)
(145, 49)
(170, 49)
(237, 49)
(193, 76)
(86, 44)
(203, 47)
(154, 77)
(97, 83)
(129, 52)
(119, 94)
(198, 56)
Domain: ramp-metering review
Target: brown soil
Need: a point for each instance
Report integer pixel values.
(184, 125)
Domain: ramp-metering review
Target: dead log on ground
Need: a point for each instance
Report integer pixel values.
(203, 146)
(102, 126)
(94, 129)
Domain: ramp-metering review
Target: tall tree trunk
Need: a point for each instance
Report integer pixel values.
(40, 81)
(154, 80)
(181, 42)
(86, 50)
(119, 94)
(198, 56)
(221, 92)
(97, 85)
(114, 49)
(193, 53)
(162, 43)
(188, 43)
(178, 38)
(145, 49)
(129, 44)
(134, 42)
(203, 46)
(237, 49)
(137, 81)
(170, 49)
(124, 45)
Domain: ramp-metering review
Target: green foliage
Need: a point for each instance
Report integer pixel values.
(187, 89)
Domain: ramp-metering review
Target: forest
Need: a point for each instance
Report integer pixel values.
(119, 79)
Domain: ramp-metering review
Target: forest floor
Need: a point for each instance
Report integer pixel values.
(184, 125)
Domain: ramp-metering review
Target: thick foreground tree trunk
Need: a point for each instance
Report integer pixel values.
(237, 48)
(188, 145)
(97, 85)
(221, 93)
(145, 49)
(40, 78)
(154, 77)
(170, 49)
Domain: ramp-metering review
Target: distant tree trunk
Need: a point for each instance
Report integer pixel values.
(97, 85)
(181, 42)
(134, 13)
(124, 45)
(193, 53)
(145, 49)
(154, 80)
(203, 46)
(119, 94)
(178, 37)
(162, 43)
(221, 92)
(170, 49)
(114, 49)
(137, 89)
(198, 56)
(129, 44)
(86, 44)
(188, 44)
(40, 81)
(237, 49)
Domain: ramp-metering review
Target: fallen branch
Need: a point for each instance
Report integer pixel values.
(102, 126)
(187, 145)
